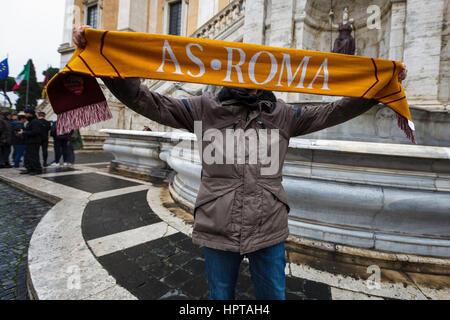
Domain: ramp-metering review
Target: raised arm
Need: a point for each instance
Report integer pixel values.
(168, 111)
(304, 120)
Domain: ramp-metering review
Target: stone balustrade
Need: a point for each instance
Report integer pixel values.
(223, 20)
(388, 197)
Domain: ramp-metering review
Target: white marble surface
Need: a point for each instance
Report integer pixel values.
(387, 290)
(117, 192)
(391, 149)
(154, 201)
(130, 238)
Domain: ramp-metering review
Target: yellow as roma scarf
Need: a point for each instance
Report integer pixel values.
(78, 101)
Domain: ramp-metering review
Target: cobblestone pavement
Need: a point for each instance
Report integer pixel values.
(19, 215)
(174, 268)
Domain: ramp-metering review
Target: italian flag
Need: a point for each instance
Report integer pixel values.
(24, 75)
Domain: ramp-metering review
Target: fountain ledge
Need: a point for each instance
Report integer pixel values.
(378, 196)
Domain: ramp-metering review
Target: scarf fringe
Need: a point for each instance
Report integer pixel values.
(403, 124)
(82, 117)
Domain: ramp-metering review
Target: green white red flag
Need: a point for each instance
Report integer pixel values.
(24, 75)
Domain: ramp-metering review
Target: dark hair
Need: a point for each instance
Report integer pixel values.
(30, 111)
(21, 117)
(41, 114)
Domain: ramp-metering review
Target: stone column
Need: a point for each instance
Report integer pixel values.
(282, 23)
(444, 81)
(153, 15)
(72, 19)
(254, 21)
(299, 18)
(282, 32)
(397, 33)
(68, 21)
(423, 43)
(132, 15)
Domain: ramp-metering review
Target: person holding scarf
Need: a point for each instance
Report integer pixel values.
(238, 212)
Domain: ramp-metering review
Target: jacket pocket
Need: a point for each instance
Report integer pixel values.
(276, 190)
(274, 214)
(214, 206)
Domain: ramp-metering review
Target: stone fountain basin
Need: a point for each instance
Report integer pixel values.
(381, 196)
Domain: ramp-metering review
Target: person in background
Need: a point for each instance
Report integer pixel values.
(55, 147)
(147, 128)
(32, 138)
(18, 141)
(72, 143)
(68, 154)
(7, 115)
(45, 128)
(76, 143)
(59, 145)
(5, 139)
(14, 118)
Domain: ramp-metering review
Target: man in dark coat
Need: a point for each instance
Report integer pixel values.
(46, 125)
(32, 137)
(5, 139)
(60, 143)
(18, 141)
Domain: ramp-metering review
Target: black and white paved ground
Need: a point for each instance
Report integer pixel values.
(169, 267)
(143, 254)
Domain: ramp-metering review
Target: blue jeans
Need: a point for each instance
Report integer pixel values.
(63, 148)
(20, 150)
(266, 269)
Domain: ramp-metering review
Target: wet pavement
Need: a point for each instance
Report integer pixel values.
(19, 215)
(168, 266)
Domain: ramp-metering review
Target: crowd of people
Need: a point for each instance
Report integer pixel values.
(24, 135)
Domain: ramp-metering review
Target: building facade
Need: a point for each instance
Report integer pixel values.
(412, 31)
(177, 17)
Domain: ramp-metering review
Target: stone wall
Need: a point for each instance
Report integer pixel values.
(444, 76)
(423, 47)
(110, 14)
